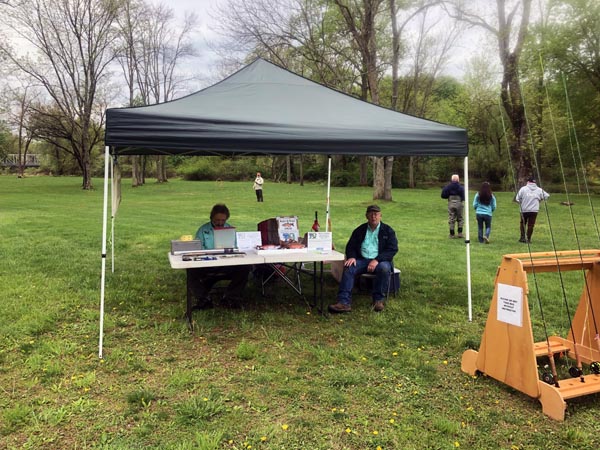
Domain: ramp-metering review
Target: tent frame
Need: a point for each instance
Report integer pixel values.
(109, 163)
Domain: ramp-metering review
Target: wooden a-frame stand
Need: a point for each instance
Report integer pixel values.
(508, 352)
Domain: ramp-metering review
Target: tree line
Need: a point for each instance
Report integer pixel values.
(528, 97)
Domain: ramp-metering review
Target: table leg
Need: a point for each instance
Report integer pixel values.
(189, 306)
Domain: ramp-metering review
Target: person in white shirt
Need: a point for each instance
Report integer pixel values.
(258, 185)
(529, 198)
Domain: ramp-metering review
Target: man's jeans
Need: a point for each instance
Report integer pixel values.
(380, 284)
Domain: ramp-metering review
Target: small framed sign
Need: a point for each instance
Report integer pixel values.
(320, 241)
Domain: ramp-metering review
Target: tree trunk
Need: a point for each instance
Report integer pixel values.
(388, 166)
(288, 168)
(136, 171)
(301, 169)
(378, 178)
(411, 172)
(364, 164)
(161, 169)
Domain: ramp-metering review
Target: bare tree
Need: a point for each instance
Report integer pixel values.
(509, 27)
(71, 41)
(21, 99)
(305, 36)
(152, 47)
(425, 55)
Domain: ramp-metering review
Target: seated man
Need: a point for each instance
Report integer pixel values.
(371, 248)
(203, 279)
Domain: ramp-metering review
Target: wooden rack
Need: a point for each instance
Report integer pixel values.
(508, 353)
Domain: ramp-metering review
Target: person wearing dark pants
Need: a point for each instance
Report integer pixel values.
(454, 192)
(258, 187)
(484, 204)
(529, 198)
(371, 249)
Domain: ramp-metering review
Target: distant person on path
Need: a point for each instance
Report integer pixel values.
(203, 279)
(371, 249)
(258, 185)
(529, 198)
(454, 192)
(485, 205)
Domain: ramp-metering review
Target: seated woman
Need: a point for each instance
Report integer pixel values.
(203, 279)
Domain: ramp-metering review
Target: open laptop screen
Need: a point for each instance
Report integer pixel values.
(224, 237)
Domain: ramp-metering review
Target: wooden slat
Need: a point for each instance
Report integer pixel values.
(573, 387)
(541, 348)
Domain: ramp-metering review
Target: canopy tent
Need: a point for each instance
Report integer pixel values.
(267, 110)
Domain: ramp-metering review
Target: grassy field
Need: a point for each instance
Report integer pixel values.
(275, 374)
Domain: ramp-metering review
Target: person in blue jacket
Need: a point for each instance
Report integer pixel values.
(371, 248)
(454, 192)
(485, 205)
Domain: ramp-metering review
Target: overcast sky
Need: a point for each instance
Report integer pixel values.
(205, 65)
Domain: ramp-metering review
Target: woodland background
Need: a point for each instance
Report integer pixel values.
(528, 96)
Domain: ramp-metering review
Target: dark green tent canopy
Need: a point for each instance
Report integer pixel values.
(265, 109)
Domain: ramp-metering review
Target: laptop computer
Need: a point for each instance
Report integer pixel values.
(224, 238)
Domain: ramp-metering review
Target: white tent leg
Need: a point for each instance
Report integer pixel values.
(103, 276)
(112, 218)
(328, 192)
(467, 238)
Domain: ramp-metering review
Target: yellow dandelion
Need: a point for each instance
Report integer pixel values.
(333, 409)
(462, 424)
(363, 358)
(263, 438)
(395, 413)
(205, 399)
(392, 421)
(445, 362)
(456, 444)
(470, 408)
(395, 354)
(378, 447)
(230, 441)
(375, 432)
(285, 426)
(308, 313)
(348, 430)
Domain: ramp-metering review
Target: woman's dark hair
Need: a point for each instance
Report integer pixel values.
(485, 193)
(219, 208)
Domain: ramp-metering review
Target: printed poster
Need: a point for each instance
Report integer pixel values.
(510, 304)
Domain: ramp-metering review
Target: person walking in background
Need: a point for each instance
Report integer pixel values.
(529, 198)
(484, 204)
(454, 192)
(258, 185)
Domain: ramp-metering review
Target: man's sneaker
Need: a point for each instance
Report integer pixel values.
(451, 236)
(523, 240)
(460, 235)
(378, 306)
(486, 239)
(339, 308)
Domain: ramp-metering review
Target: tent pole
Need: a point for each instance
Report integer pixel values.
(103, 276)
(328, 192)
(112, 216)
(467, 207)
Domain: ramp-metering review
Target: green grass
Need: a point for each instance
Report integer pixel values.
(275, 374)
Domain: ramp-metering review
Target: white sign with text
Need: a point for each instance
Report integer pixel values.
(510, 304)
